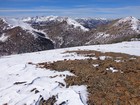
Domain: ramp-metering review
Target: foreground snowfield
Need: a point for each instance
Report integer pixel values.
(23, 83)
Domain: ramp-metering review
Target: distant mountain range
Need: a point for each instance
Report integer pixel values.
(43, 33)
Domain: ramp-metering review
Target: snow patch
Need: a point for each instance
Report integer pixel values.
(76, 24)
(112, 69)
(95, 65)
(3, 38)
(74, 95)
(102, 34)
(104, 57)
(118, 61)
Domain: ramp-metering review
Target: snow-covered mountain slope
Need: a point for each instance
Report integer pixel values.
(22, 82)
(119, 30)
(15, 22)
(68, 20)
(132, 21)
(19, 37)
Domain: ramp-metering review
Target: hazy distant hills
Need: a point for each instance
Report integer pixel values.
(43, 33)
(93, 22)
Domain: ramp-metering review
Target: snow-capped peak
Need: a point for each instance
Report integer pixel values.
(40, 19)
(134, 22)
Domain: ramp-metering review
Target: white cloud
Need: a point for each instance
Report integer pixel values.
(78, 11)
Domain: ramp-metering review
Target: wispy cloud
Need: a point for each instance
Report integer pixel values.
(79, 11)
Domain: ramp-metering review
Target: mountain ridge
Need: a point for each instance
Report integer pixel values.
(61, 32)
(18, 37)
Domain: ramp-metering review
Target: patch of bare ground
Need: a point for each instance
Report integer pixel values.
(105, 87)
(50, 101)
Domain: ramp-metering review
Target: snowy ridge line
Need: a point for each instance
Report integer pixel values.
(55, 18)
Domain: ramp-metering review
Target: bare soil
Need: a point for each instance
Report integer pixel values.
(104, 86)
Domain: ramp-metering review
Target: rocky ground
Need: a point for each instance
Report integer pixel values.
(111, 78)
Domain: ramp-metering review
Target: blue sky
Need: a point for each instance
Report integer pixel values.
(72, 8)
